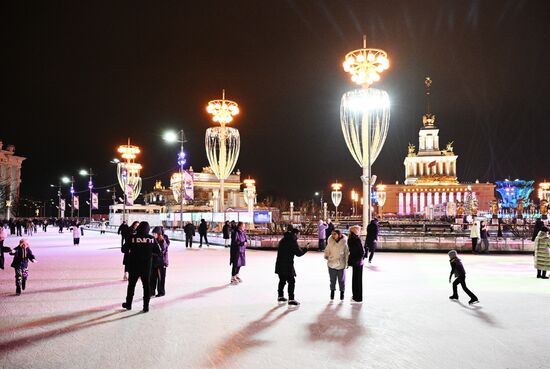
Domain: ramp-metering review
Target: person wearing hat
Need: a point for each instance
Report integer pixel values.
(284, 266)
(356, 256)
(542, 257)
(457, 269)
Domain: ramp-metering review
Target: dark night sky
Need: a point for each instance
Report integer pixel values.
(79, 78)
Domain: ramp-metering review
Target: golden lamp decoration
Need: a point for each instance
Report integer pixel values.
(366, 65)
(223, 110)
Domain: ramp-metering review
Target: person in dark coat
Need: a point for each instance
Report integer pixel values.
(203, 233)
(21, 256)
(355, 260)
(3, 236)
(126, 233)
(189, 230)
(123, 231)
(372, 238)
(159, 264)
(328, 231)
(538, 226)
(457, 269)
(284, 266)
(237, 253)
(226, 230)
(140, 247)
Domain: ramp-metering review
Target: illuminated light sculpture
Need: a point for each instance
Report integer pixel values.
(222, 143)
(381, 197)
(512, 191)
(365, 114)
(336, 196)
(250, 193)
(128, 174)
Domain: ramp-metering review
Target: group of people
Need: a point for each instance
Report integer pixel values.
(479, 234)
(325, 231)
(189, 230)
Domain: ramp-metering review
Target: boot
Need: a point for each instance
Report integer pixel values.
(127, 306)
(17, 290)
(538, 273)
(341, 295)
(23, 284)
(543, 276)
(282, 299)
(145, 305)
(332, 295)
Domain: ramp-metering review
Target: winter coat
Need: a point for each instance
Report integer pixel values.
(123, 230)
(76, 231)
(484, 232)
(538, 226)
(21, 257)
(328, 231)
(323, 231)
(203, 227)
(161, 259)
(542, 256)
(372, 231)
(140, 249)
(337, 253)
(189, 230)
(356, 251)
(103, 226)
(474, 231)
(237, 251)
(287, 249)
(457, 269)
(225, 231)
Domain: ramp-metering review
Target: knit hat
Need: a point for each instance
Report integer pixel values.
(355, 229)
(452, 254)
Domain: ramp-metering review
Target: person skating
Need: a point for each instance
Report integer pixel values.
(457, 269)
(189, 230)
(371, 239)
(337, 254)
(125, 236)
(237, 253)
(76, 234)
(226, 230)
(141, 247)
(203, 233)
(123, 231)
(159, 264)
(21, 256)
(284, 265)
(542, 256)
(356, 256)
(484, 234)
(322, 231)
(474, 235)
(103, 227)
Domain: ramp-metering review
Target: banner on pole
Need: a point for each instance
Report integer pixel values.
(62, 204)
(95, 201)
(76, 203)
(129, 195)
(188, 193)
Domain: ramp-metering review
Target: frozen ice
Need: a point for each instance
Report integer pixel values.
(70, 315)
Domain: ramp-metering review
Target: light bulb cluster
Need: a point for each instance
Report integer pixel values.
(128, 152)
(222, 111)
(366, 65)
(336, 186)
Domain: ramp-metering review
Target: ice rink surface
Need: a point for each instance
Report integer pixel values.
(70, 316)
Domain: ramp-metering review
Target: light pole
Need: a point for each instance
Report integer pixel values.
(72, 196)
(222, 143)
(365, 114)
(90, 173)
(171, 136)
(336, 196)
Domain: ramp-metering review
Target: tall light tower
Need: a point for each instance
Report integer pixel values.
(222, 143)
(336, 196)
(179, 191)
(365, 114)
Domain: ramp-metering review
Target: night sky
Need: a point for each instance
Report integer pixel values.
(78, 78)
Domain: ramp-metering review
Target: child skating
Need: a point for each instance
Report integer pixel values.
(21, 256)
(460, 274)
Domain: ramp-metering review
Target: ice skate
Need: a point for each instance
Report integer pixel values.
(234, 281)
(282, 299)
(472, 302)
(332, 295)
(453, 297)
(341, 295)
(293, 303)
(238, 279)
(146, 309)
(126, 306)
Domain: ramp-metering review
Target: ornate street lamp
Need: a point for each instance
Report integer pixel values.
(365, 114)
(90, 173)
(336, 196)
(250, 193)
(381, 196)
(222, 143)
(177, 181)
(128, 174)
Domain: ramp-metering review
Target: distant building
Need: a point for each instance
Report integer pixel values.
(10, 179)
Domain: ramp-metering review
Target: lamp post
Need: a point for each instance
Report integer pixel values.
(365, 114)
(336, 196)
(354, 200)
(89, 173)
(179, 137)
(128, 173)
(222, 143)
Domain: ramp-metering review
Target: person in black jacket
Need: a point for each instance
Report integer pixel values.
(21, 256)
(159, 264)
(355, 260)
(538, 226)
(189, 230)
(203, 230)
(225, 231)
(125, 234)
(140, 247)
(457, 269)
(372, 237)
(284, 266)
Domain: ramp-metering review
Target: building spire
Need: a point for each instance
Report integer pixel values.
(428, 119)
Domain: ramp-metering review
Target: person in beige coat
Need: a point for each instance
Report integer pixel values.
(337, 254)
(542, 256)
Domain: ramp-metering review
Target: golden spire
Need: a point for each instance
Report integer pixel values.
(428, 119)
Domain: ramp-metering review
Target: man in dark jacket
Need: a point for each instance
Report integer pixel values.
(203, 230)
(328, 231)
(189, 230)
(538, 226)
(140, 248)
(457, 269)
(370, 240)
(123, 231)
(284, 266)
